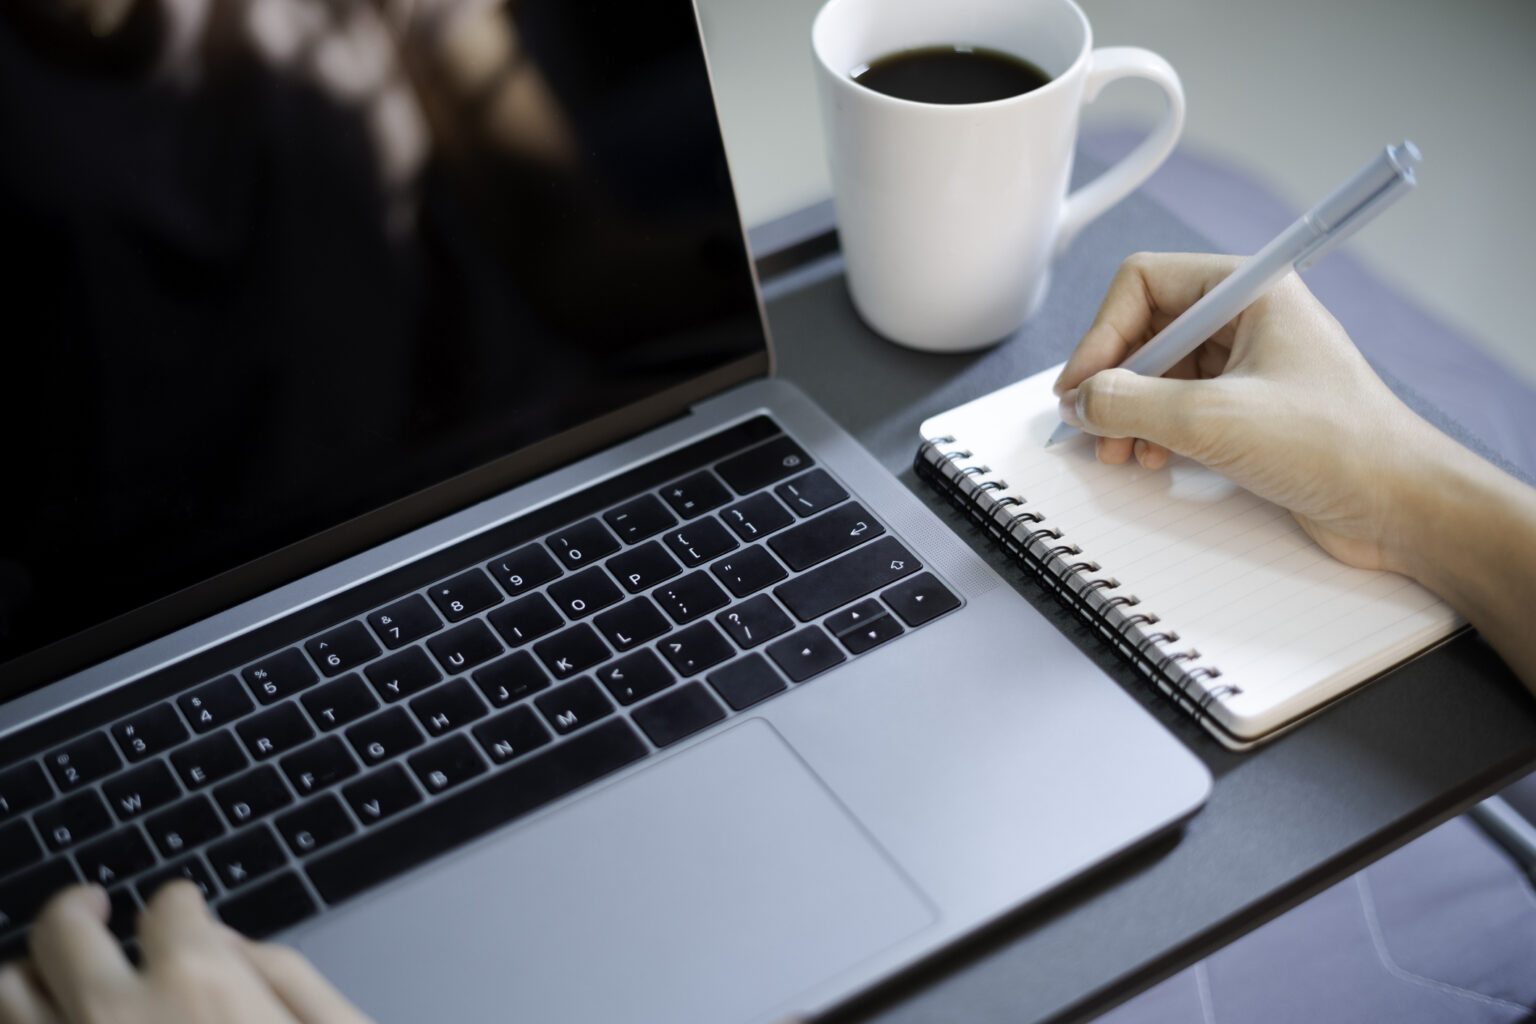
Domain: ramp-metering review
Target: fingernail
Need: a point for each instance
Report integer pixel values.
(1068, 409)
(1140, 448)
(1056, 386)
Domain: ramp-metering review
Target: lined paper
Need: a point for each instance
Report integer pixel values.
(1235, 576)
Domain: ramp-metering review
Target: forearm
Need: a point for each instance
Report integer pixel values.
(1469, 535)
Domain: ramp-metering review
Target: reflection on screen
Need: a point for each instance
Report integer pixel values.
(272, 264)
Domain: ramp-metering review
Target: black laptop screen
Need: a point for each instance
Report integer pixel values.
(273, 265)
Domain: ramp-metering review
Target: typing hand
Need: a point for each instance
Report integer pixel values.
(195, 970)
(1279, 401)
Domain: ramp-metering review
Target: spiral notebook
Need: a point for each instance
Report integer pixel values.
(1213, 593)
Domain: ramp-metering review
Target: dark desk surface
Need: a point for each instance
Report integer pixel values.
(1285, 821)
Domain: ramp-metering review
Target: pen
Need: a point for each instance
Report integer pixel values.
(1345, 211)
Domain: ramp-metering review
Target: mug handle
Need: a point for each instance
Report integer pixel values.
(1108, 64)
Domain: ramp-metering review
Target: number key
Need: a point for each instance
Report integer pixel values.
(83, 761)
(149, 732)
(522, 570)
(408, 619)
(276, 677)
(342, 648)
(214, 704)
(464, 595)
(582, 544)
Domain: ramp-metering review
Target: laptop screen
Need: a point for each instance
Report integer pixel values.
(274, 266)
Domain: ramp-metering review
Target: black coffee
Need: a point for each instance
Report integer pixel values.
(951, 74)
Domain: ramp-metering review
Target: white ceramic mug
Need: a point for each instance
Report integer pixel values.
(950, 214)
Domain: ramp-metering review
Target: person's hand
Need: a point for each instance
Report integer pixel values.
(195, 970)
(1279, 401)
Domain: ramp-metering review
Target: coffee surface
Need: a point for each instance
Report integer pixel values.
(951, 74)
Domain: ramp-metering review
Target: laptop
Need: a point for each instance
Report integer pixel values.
(406, 541)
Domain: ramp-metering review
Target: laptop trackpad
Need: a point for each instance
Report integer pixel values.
(710, 888)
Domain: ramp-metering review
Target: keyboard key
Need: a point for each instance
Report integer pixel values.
(511, 679)
(920, 599)
(574, 650)
(122, 912)
(208, 760)
(140, 790)
(635, 676)
(582, 544)
(638, 519)
(631, 623)
(214, 704)
(643, 567)
(872, 634)
(23, 895)
(18, 847)
(447, 707)
(586, 592)
(754, 621)
(444, 765)
(408, 619)
(678, 715)
(340, 701)
(574, 705)
(745, 682)
(84, 760)
(69, 821)
(853, 617)
(383, 736)
(315, 825)
(524, 569)
(696, 543)
(275, 731)
(343, 648)
(113, 858)
(847, 578)
(830, 533)
(252, 795)
(400, 675)
(190, 869)
(386, 792)
(691, 597)
(809, 494)
(477, 808)
(696, 648)
(318, 765)
(748, 571)
(756, 517)
(511, 734)
(269, 907)
(526, 619)
(695, 495)
(247, 856)
(805, 653)
(463, 647)
(22, 788)
(149, 732)
(283, 674)
(464, 595)
(763, 465)
(189, 824)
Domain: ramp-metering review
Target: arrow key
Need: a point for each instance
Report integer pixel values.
(385, 792)
(805, 652)
(920, 599)
(872, 633)
(850, 619)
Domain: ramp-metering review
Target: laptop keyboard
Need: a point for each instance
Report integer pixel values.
(326, 753)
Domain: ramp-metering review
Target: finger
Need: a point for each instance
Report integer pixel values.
(1146, 288)
(22, 1000)
(175, 920)
(77, 958)
(304, 990)
(1113, 451)
(1177, 414)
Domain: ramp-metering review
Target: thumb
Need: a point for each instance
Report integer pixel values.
(1119, 403)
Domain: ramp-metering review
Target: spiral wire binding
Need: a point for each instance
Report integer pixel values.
(1016, 529)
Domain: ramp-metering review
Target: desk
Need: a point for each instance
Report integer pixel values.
(1284, 822)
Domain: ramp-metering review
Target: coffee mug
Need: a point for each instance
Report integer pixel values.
(950, 215)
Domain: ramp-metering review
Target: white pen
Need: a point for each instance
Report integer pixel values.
(1349, 208)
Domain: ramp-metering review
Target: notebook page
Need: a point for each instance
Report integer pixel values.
(1232, 574)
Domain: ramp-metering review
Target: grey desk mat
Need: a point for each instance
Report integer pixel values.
(1284, 822)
